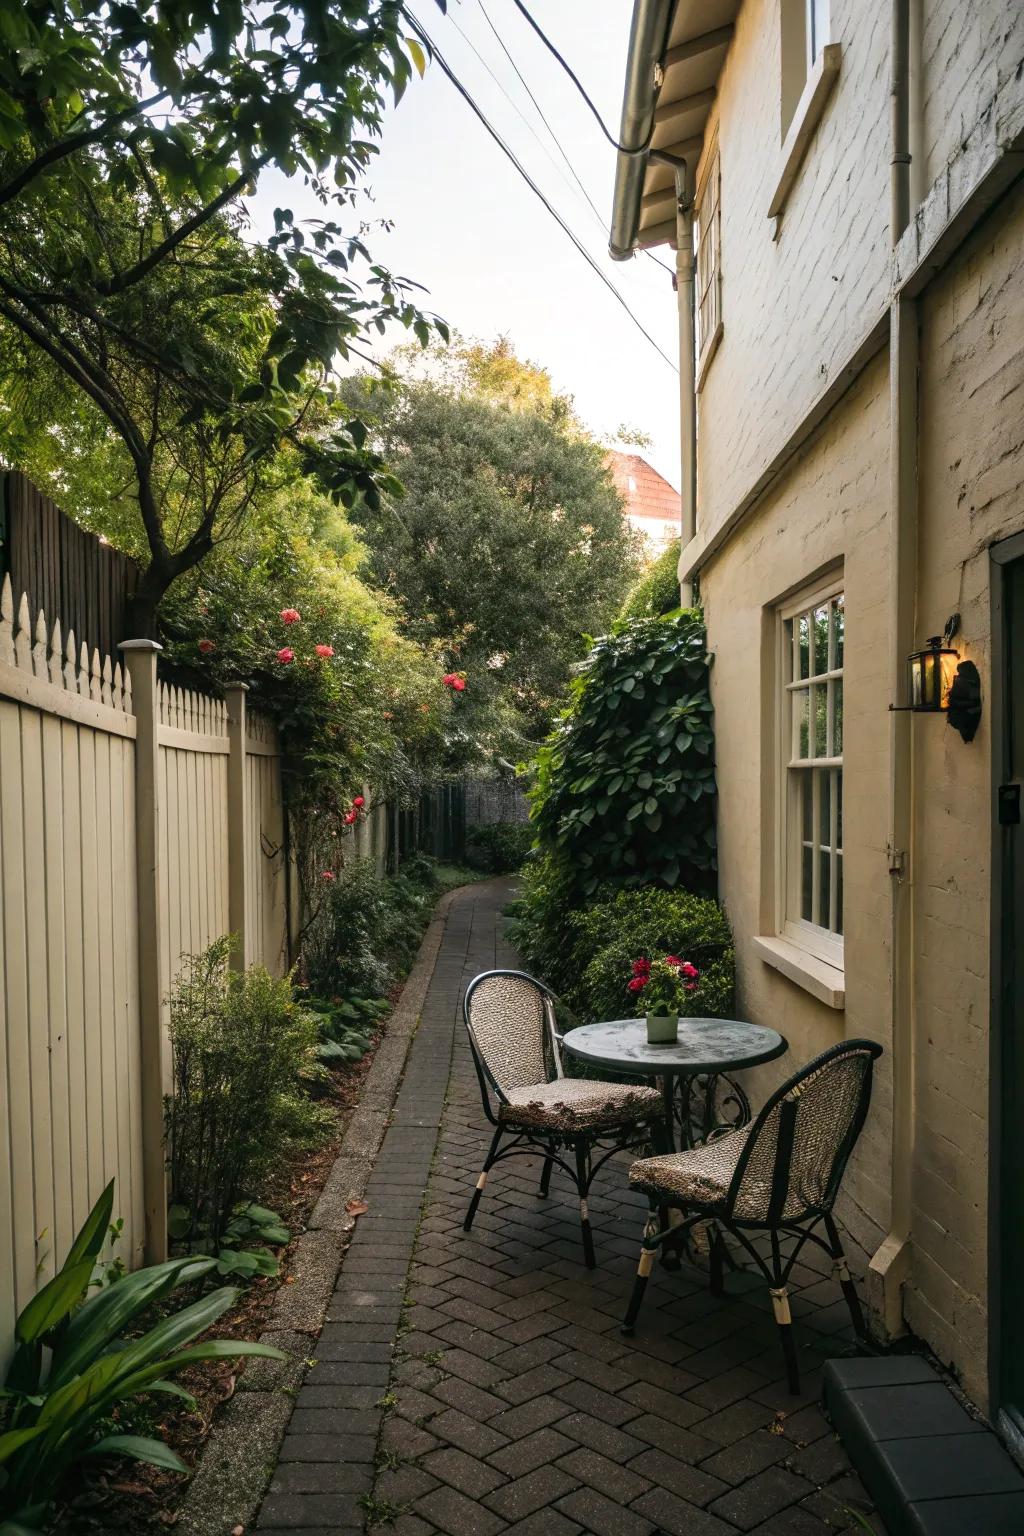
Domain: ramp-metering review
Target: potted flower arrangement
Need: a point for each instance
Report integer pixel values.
(660, 989)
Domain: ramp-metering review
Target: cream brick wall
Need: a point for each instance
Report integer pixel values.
(967, 52)
(972, 493)
(792, 308)
(836, 497)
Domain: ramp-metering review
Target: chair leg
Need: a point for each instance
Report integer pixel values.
(545, 1176)
(482, 1180)
(779, 1293)
(583, 1186)
(842, 1272)
(716, 1263)
(648, 1251)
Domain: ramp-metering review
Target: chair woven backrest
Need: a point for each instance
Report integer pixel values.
(799, 1145)
(508, 1014)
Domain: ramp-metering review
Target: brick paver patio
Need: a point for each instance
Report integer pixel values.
(479, 1384)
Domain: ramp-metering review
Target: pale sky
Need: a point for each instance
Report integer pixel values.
(469, 229)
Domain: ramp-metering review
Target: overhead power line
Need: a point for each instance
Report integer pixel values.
(554, 136)
(624, 149)
(446, 69)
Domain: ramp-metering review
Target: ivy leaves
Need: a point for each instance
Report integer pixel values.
(625, 786)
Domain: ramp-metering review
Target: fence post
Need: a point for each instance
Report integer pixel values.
(238, 828)
(140, 658)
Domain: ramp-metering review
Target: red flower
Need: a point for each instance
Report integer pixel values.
(285, 655)
(637, 984)
(350, 817)
(328, 874)
(325, 650)
(206, 647)
(673, 960)
(359, 802)
(641, 967)
(290, 615)
(459, 685)
(689, 971)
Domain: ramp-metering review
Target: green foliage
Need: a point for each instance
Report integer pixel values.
(587, 953)
(657, 591)
(79, 1356)
(241, 1051)
(500, 848)
(128, 134)
(625, 786)
(508, 543)
(373, 711)
(346, 1025)
(369, 929)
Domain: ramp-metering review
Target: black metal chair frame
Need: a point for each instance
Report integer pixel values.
(529, 1141)
(802, 1228)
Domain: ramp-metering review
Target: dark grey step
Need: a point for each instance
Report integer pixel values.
(930, 1468)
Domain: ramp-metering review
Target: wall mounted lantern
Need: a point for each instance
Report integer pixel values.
(940, 683)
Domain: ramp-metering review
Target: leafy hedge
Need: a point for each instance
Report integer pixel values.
(657, 591)
(498, 848)
(625, 785)
(586, 953)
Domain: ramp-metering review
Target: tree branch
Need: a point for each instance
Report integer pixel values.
(133, 275)
(65, 147)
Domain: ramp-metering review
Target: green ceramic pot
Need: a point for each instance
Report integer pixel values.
(662, 1028)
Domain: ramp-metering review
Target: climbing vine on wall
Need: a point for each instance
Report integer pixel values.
(625, 785)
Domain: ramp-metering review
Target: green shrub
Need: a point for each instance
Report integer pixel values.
(242, 1050)
(608, 936)
(625, 785)
(585, 953)
(80, 1361)
(657, 591)
(500, 848)
(368, 931)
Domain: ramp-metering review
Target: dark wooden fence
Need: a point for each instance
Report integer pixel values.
(65, 571)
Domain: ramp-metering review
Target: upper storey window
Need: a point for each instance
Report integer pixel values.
(805, 31)
(709, 262)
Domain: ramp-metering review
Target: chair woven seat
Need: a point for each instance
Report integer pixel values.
(699, 1178)
(576, 1103)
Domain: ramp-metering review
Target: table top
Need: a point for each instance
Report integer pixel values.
(703, 1045)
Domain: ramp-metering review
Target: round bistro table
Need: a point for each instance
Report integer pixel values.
(694, 1069)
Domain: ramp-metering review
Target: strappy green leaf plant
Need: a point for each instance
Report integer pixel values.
(78, 1357)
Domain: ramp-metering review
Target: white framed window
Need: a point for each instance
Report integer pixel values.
(806, 28)
(812, 645)
(708, 234)
(817, 23)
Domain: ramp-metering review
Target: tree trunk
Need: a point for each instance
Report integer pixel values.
(142, 606)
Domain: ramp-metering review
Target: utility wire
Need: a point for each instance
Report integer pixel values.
(554, 137)
(624, 149)
(446, 68)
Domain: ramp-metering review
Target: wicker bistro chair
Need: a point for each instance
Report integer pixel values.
(535, 1108)
(779, 1175)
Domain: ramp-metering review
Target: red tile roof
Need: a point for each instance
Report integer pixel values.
(645, 493)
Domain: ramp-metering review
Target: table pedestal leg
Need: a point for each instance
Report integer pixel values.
(668, 1215)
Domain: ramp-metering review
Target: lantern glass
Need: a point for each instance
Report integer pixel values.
(931, 676)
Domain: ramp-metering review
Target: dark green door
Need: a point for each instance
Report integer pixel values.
(1009, 700)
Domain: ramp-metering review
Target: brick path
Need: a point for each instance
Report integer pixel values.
(479, 1384)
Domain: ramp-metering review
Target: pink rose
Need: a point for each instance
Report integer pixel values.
(673, 960)
(328, 874)
(358, 802)
(285, 655)
(637, 984)
(325, 650)
(459, 685)
(290, 615)
(690, 971)
(351, 817)
(206, 647)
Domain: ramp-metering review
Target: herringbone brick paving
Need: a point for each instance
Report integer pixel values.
(477, 1384)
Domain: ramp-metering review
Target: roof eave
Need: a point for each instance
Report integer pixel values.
(648, 37)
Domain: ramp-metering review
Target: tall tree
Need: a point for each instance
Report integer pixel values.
(509, 543)
(128, 134)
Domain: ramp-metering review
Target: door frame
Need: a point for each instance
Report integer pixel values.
(1009, 1422)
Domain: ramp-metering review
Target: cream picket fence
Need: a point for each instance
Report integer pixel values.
(138, 822)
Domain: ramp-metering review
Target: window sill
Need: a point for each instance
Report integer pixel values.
(825, 982)
(809, 109)
(708, 353)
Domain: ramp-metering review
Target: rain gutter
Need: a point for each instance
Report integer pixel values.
(648, 39)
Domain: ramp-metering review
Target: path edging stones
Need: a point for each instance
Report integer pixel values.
(238, 1460)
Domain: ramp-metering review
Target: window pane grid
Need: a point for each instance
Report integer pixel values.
(814, 649)
(709, 231)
